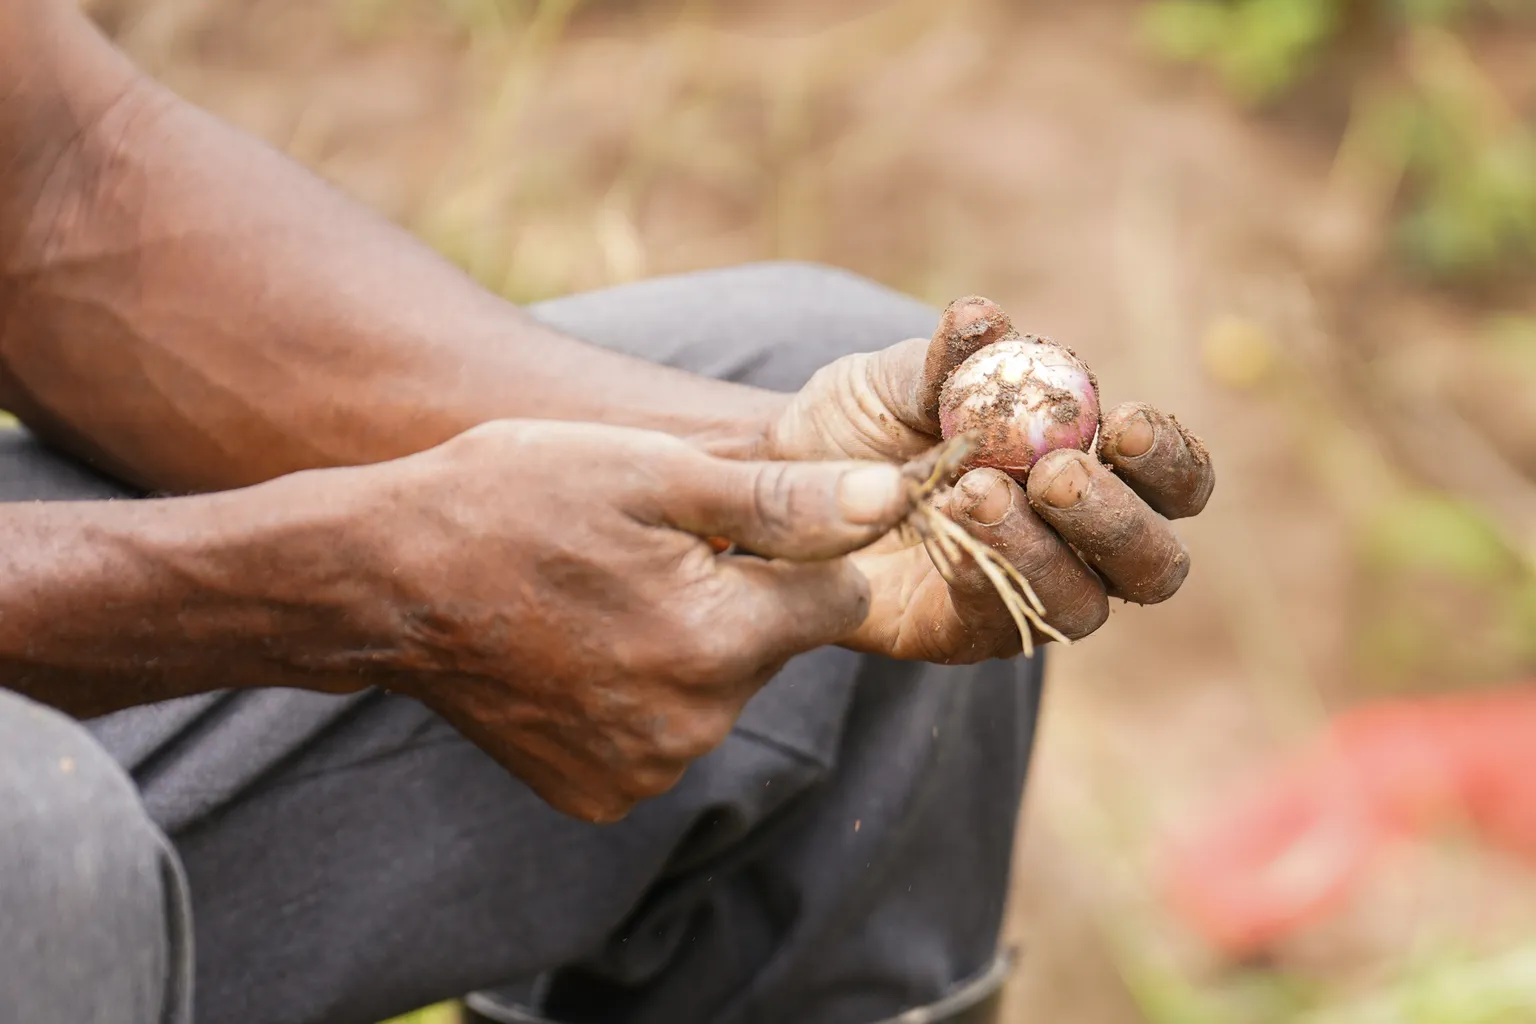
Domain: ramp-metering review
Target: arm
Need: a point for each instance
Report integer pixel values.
(107, 605)
(581, 633)
(189, 310)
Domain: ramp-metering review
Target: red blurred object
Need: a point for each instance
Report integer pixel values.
(1292, 853)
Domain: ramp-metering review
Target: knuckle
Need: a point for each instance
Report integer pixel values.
(1109, 529)
(709, 651)
(1200, 494)
(600, 807)
(1084, 617)
(1032, 547)
(832, 378)
(1162, 584)
(695, 613)
(1173, 495)
(651, 781)
(692, 734)
(718, 655)
(774, 499)
(494, 436)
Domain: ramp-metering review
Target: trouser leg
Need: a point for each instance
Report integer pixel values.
(93, 907)
(880, 889)
(841, 857)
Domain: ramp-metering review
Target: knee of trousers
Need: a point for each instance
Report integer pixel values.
(83, 870)
(821, 313)
(770, 324)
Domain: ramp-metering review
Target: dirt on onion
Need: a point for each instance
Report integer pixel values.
(1021, 398)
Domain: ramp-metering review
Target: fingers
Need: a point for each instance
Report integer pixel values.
(802, 511)
(994, 509)
(776, 610)
(1132, 547)
(967, 325)
(1160, 460)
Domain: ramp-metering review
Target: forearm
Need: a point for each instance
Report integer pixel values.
(194, 311)
(106, 605)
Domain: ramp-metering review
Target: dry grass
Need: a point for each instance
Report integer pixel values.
(1226, 268)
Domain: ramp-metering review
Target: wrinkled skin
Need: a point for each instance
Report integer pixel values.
(589, 639)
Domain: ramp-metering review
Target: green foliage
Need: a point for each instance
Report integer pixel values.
(1468, 161)
(1437, 534)
(1514, 335)
(444, 1013)
(1437, 568)
(1500, 989)
(1474, 212)
(1259, 47)
(1473, 161)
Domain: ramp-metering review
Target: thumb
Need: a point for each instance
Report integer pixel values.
(803, 511)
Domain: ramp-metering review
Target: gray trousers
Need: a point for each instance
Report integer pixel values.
(842, 857)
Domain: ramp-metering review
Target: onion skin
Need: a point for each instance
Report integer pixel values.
(1020, 399)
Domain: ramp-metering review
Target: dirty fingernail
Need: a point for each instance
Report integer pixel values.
(870, 495)
(1068, 486)
(1136, 437)
(985, 498)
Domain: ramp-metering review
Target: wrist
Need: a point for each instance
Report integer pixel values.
(107, 605)
(305, 560)
(544, 374)
(280, 584)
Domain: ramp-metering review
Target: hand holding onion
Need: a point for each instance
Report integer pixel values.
(1074, 500)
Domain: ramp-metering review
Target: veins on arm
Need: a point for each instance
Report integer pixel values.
(61, 83)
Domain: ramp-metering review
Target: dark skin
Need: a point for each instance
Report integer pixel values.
(422, 489)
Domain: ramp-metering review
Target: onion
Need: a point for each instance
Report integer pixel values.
(1019, 399)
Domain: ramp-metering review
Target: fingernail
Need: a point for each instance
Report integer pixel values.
(985, 498)
(1137, 436)
(867, 496)
(1068, 486)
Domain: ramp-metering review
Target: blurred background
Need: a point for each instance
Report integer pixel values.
(1307, 227)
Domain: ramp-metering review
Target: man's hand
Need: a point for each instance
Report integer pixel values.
(1082, 531)
(560, 606)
